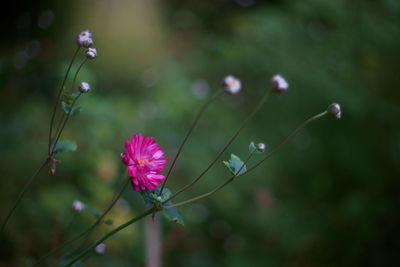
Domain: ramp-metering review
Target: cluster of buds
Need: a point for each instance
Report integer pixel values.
(279, 84)
(335, 110)
(232, 85)
(91, 53)
(100, 249)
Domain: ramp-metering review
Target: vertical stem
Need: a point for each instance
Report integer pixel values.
(24, 190)
(59, 96)
(153, 242)
(196, 120)
(53, 147)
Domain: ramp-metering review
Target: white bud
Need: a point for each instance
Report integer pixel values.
(279, 83)
(84, 87)
(261, 147)
(84, 39)
(78, 206)
(91, 53)
(232, 85)
(335, 110)
(100, 248)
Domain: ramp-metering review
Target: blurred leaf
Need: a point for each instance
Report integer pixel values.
(63, 146)
(108, 222)
(173, 214)
(252, 147)
(235, 164)
(67, 107)
(93, 211)
(150, 196)
(70, 97)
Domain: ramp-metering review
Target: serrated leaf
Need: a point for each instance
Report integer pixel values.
(235, 165)
(173, 214)
(67, 107)
(63, 146)
(93, 211)
(252, 147)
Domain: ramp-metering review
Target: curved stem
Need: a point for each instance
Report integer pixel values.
(64, 123)
(255, 110)
(279, 147)
(105, 237)
(196, 120)
(24, 190)
(58, 98)
(87, 231)
(228, 181)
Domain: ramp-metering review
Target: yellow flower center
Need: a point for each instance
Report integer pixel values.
(142, 160)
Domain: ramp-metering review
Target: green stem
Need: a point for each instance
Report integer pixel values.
(87, 231)
(279, 147)
(196, 120)
(64, 123)
(228, 181)
(105, 237)
(73, 86)
(59, 97)
(255, 110)
(24, 190)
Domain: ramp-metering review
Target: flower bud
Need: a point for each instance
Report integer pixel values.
(78, 206)
(91, 53)
(84, 87)
(260, 147)
(84, 39)
(232, 85)
(100, 248)
(279, 84)
(335, 110)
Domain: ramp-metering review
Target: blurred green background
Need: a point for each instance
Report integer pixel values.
(330, 198)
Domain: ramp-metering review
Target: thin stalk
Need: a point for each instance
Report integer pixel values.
(277, 149)
(72, 87)
(255, 110)
(228, 181)
(64, 123)
(87, 231)
(59, 96)
(196, 120)
(105, 237)
(24, 190)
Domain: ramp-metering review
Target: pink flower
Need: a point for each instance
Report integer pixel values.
(145, 161)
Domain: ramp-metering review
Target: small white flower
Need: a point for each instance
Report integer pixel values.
(91, 53)
(232, 85)
(84, 39)
(335, 110)
(261, 147)
(100, 248)
(84, 87)
(78, 206)
(279, 83)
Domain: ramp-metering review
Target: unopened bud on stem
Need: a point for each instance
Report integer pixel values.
(84, 39)
(78, 206)
(84, 87)
(335, 110)
(260, 147)
(279, 84)
(100, 248)
(232, 85)
(91, 53)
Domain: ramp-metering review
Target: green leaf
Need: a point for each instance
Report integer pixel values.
(235, 164)
(173, 214)
(93, 211)
(108, 222)
(63, 146)
(252, 147)
(67, 107)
